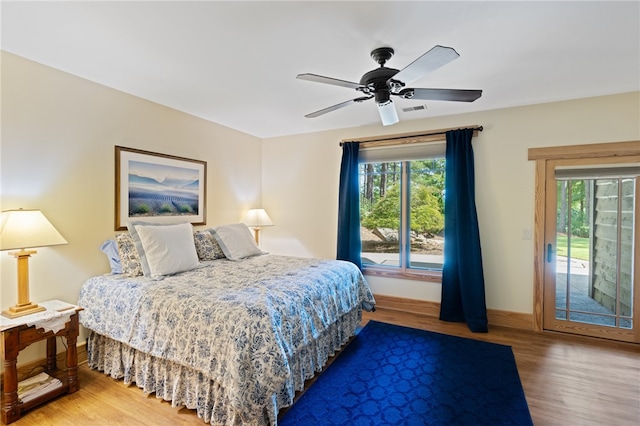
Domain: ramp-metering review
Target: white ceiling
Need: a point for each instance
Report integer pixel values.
(235, 63)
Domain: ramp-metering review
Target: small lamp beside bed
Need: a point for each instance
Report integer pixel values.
(256, 219)
(23, 229)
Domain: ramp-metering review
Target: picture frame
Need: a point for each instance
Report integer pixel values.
(158, 188)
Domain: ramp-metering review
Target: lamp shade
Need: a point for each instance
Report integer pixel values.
(256, 218)
(21, 229)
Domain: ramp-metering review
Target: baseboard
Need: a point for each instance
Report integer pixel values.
(432, 309)
(27, 369)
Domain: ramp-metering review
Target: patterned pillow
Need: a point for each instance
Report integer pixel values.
(129, 257)
(206, 246)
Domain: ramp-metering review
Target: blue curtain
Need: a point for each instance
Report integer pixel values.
(463, 297)
(349, 243)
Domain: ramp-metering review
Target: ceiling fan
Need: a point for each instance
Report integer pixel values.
(381, 83)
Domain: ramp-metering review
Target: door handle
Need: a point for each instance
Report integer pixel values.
(549, 251)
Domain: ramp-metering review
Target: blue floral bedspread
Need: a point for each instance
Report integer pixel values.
(239, 323)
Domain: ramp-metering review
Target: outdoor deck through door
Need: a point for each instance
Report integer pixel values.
(590, 250)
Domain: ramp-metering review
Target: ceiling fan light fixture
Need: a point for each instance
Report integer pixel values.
(388, 113)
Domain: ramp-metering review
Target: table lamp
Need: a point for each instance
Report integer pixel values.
(256, 219)
(22, 230)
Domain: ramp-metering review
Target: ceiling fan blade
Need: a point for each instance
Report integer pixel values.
(430, 61)
(459, 95)
(388, 113)
(337, 106)
(328, 80)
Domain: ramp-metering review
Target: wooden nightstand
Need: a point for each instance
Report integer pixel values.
(17, 335)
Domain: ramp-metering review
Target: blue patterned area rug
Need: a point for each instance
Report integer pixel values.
(393, 375)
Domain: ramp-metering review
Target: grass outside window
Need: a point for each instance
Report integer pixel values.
(580, 247)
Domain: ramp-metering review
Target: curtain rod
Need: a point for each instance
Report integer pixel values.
(418, 135)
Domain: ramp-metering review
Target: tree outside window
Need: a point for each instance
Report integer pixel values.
(402, 214)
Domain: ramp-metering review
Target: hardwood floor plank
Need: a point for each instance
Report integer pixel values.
(567, 380)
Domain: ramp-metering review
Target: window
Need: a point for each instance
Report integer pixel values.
(402, 215)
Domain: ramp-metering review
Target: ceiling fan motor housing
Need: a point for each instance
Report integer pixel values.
(377, 82)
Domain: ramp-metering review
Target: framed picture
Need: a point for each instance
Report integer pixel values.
(159, 188)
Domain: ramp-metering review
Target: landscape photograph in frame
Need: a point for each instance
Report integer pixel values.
(159, 188)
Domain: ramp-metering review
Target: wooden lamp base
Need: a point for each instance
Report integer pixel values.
(256, 234)
(24, 305)
(18, 311)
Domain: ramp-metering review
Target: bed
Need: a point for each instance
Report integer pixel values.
(232, 337)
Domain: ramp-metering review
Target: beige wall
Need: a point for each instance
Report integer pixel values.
(57, 154)
(300, 184)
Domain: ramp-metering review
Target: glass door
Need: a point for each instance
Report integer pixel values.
(589, 283)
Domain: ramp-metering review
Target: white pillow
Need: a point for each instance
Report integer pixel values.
(133, 231)
(168, 249)
(236, 241)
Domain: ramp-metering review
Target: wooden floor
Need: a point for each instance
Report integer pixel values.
(567, 381)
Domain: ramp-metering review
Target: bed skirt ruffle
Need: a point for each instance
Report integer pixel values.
(184, 386)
